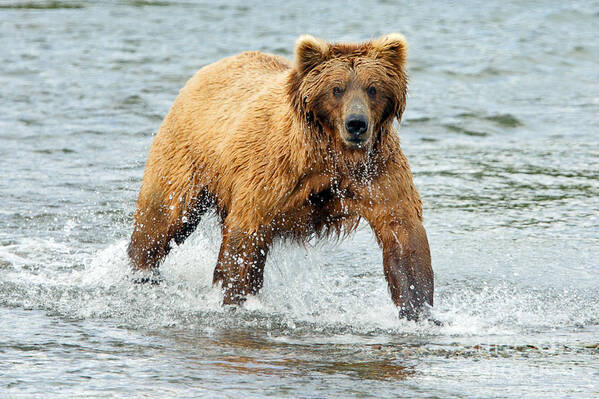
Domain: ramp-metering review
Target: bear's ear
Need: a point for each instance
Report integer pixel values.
(309, 52)
(392, 47)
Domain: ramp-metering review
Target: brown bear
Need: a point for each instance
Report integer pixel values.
(286, 150)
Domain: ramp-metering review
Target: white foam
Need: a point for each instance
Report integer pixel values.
(323, 288)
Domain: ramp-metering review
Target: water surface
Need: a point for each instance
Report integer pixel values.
(502, 134)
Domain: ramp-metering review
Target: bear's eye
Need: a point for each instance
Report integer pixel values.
(371, 91)
(337, 91)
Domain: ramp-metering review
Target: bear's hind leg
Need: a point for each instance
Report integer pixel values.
(192, 215)
(150, 240)
(157, 224)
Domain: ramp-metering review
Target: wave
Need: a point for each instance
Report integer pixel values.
(306, 291)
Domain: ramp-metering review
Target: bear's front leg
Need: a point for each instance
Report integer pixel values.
(240, 265)
(407, 263)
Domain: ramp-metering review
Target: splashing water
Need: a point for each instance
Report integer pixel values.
(500, 131)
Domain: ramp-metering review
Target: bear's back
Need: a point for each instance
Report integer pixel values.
(236, 78)
(212, 101)
(215, 113)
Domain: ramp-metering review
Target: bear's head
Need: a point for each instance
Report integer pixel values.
(352, 92)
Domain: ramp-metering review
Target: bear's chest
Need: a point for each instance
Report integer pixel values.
(324, 211)
(320, 204)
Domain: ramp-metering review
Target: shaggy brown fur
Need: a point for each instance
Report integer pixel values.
(266, 144)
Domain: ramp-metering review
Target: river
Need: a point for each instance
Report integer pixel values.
(502, 134)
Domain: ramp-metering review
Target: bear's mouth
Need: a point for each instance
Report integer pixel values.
(356, 142)
(353, 141)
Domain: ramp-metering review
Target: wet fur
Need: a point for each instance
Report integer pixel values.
(255, 138)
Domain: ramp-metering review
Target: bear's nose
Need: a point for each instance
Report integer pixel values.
(356, 124)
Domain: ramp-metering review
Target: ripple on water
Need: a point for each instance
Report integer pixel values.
(294, 300)
(500, 132)
(42, 5)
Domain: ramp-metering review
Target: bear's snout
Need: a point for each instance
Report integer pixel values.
(356, 125)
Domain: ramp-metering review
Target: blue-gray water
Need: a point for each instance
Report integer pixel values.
(502, 132)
